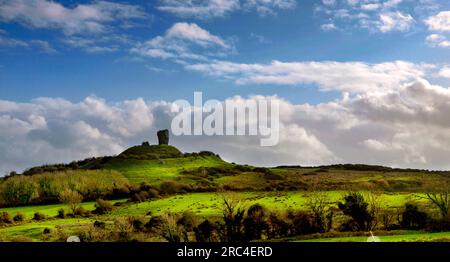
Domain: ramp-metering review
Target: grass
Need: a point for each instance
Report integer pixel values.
(408, 237)
(158, 170)
(208, 204)
(48, 210)
(150, 152)
(34, 229)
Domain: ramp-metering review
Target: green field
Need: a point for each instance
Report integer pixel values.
(277, 189)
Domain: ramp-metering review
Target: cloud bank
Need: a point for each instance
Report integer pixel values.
(406, 127)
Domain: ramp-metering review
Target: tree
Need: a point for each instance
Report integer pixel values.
(232, 215)
(357, 208)
(71, 198)
(318, 204)
(441, 200)
(255, 222)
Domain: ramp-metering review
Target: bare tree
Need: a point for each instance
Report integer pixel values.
(441, 200)
(319, 204)
(375, 209)
(233, 216)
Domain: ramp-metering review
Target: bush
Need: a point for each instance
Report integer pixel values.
(301, 223)
(103, 206)
(61, 213)
(153, 193)
(277, 226)
(99, 224)
(154, 224)
(39, 216)
(46, 231)
(137, 224)
(204, 231)
(19, 217)
(80, 211)
(412, 218)
(170, 187)
(187, 220)
(140, 197)
(5, 218)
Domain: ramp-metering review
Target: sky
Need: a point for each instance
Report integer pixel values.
(359, 81)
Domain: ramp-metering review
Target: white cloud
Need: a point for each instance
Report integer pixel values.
(218, 8)
(395, 22)
(436, 40)
(328, 27)
(183, 41)
(81, 19)
(439, 22)
(328, 75)
(192, 32)
(406, 127)
(374, 15)
(8, 42)
(445, 72)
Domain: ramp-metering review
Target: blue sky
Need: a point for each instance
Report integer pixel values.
(291, 32)
(358, 81)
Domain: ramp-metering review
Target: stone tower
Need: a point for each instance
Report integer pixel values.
(163, 137)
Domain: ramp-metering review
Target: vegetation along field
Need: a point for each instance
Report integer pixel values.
(157, 193)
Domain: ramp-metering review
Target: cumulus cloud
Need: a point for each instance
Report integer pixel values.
(328, 75)
(183, 41)
(439, 22)
(218, 8)
(404, 127)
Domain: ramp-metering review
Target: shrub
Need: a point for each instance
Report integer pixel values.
(39, 216)
(154, 224)
(18, 190)
(301, 223)
(19, 217)
(61, 213)
(277, 226)
(100, 224)
(5, 218)
(153, 193)
(81, 211)
(255, 222)
(357, 208)
(204, 231)
(103, 206)
(170, 231)
(71, 198)
(46, 231)
(413, 218)
(188, 220)
(170, 187)
(123, 229)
